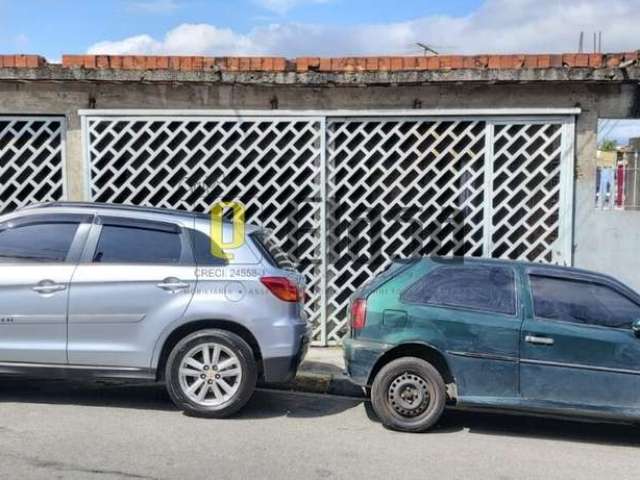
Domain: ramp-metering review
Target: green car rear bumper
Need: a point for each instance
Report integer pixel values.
(360, 358)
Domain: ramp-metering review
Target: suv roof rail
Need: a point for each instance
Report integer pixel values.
(116, 206)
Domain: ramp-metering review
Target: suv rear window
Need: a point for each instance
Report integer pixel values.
(121, 244)
(487, 288)
(202, 245)
(271, 250)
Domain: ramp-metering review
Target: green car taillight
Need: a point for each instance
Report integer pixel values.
(358, 317)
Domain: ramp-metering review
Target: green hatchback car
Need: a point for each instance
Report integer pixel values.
(479, 334)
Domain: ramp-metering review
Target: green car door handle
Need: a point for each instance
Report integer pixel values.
(539, 340)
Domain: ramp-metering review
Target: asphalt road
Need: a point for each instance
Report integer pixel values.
(61, 430)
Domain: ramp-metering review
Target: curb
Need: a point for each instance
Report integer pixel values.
(322, 383)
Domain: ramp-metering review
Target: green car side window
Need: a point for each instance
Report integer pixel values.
(583, 302)
(485, 288)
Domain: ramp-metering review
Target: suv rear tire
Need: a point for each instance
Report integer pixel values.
(408, 394)
(211, 373)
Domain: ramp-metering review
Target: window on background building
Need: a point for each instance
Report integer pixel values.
(618, 165)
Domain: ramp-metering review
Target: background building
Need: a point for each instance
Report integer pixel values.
(351, 161)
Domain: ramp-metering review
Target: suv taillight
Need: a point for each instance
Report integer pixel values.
(283, 288)
(358, 314)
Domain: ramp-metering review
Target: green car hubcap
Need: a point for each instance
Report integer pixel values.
(409, 395)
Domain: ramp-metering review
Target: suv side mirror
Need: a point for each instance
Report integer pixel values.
(636, 327)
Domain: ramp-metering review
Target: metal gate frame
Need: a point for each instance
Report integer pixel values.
(492, 118)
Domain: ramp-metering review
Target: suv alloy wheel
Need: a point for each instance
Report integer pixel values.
(211, 373)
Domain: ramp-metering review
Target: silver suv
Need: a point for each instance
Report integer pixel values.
(125, 292)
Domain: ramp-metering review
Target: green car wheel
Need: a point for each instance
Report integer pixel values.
(408, 394)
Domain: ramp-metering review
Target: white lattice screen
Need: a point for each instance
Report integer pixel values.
(271, 165)
(399, 188)
(347, 195)
(31, 160)
(526, 191)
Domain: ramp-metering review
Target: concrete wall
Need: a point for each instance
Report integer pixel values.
(606, 241)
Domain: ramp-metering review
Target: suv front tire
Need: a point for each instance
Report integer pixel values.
(211, 373)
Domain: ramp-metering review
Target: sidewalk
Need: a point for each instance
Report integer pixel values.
(322, 371)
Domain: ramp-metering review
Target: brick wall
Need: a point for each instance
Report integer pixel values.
(334, 64)
(22, 61)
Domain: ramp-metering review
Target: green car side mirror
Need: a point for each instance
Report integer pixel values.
(636, 327)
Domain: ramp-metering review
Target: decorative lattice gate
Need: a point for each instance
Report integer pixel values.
(31, 160)
(271, 165)
(345, 195)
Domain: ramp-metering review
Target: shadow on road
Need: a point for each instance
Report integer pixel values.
(264, 404)
(509, 425)
(274, 404)
(543, 428)
(62, 392)
(279, 403)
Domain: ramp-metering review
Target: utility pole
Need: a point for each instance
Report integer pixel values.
(600, 41)
(581, 42)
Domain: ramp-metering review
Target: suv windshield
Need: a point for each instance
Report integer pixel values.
(272, 251)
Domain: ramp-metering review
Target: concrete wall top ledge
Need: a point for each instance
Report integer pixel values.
(328, 79)
(458, 112)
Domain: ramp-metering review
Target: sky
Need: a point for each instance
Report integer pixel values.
(617, 129)
(313, 27)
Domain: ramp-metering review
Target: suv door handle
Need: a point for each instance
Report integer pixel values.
(173, 284)
(48, 286)
(539, 340)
